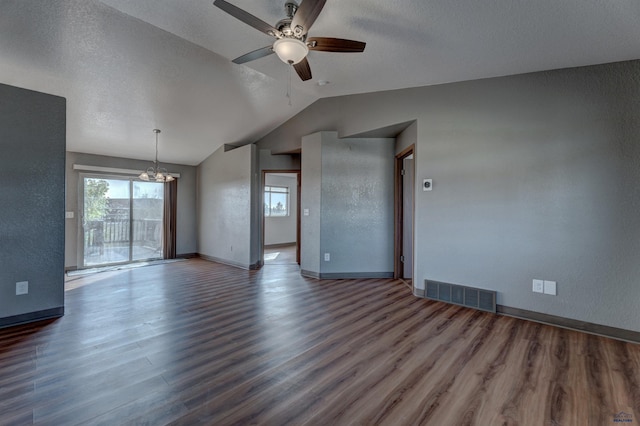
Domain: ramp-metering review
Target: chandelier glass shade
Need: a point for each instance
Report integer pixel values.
(290, 50)
(155, 172)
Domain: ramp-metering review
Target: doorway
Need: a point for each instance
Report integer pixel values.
(122, 220)
(281, 217)
(404, 217)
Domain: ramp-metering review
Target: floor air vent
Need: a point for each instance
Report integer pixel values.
(484, 300)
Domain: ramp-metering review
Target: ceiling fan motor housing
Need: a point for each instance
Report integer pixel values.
(284, 26)
(290, 8)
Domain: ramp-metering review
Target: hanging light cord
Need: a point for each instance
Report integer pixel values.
(289, 84)
(157, 151)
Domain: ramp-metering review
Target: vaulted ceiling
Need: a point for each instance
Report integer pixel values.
(127, 67)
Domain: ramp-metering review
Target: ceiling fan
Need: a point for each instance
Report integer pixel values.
(292, 43)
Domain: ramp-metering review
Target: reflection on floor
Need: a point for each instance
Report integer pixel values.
(106, 253)
(280, 255)
(121, 266)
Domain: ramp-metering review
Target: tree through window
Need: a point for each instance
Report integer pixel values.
(276, 201)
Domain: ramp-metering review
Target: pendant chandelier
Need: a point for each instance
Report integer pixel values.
(156, 173)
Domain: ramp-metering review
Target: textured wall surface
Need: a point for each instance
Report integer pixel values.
(225, 215)
(535, 176)
(186, 214)
(32, 143)
(356, 226)
(310, 200)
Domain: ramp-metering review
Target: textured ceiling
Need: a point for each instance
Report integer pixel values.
(127, 67)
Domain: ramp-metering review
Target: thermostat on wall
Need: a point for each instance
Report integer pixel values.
(427, 184)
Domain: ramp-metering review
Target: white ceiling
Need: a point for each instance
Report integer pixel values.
(127, 66)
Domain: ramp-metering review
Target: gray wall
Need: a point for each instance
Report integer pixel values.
(347, 186)
(282, 230)
(267, 161)
(356, 225)
(227, 205)
(535, 176)
(407, 138)
(310, 201)
(186, 209)
(32, 142)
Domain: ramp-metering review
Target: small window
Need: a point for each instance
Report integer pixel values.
(276, 201)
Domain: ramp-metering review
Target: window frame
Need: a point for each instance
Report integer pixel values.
(267, 193)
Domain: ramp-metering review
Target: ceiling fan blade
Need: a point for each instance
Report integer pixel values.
(303, 69)
(247, 18)
(252, 56)
(306, 14)
(330, 44)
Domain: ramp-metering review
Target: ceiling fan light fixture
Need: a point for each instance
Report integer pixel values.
(290, 50)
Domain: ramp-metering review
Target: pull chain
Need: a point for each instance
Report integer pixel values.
(289, 85)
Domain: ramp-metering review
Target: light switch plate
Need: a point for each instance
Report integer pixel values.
(538, 286)
(550, 287)
(22, 287)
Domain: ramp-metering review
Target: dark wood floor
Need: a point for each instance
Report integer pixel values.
(196, 342)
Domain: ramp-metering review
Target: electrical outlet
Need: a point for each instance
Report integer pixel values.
(68, 215)
(22, 287)
(550, 287)
(538, 286)
(327, 257)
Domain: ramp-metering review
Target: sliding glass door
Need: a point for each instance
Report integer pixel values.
(147, 209)
(122, 220)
